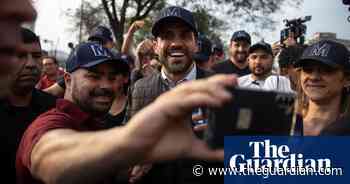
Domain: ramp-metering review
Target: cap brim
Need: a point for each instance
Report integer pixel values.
(157, 25)
(305, 60)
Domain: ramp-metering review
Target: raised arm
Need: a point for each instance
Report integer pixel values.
(130, 35)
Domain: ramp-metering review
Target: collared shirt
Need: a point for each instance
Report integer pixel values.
(65, 115)
(271, 83)
(192, 75)
(278, 83)
(247, 81)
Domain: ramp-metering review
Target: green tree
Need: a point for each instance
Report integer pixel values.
(117, 14)
(213, 16)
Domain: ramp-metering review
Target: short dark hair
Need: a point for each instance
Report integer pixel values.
(29, 36)
(52, 58)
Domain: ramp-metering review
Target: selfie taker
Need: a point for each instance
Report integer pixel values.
(67, 144)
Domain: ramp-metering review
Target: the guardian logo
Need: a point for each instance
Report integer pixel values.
(267, 155)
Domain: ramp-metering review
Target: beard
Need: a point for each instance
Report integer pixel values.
(263, 71)
(86, 100)
(176, 66)
(241, 57)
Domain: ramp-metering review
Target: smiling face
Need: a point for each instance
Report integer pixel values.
(175, 46)
(239, 51)
(322, 83)
(94, 89)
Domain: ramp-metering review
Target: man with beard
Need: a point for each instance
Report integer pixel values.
(176, 43)
(68, 144)
(12, 14)
(24, 102)
(238, 53)
(260, 61)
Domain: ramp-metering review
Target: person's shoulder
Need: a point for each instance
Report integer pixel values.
(147, 81)
(243, 78)
(277, 77)
(44, 95)
(221, 64)
(43, 98)
(340, 127)
(204, 73)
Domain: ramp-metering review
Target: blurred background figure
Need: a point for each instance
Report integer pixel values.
(204, 57)
(51, 72)
(102, 35)
(218, 52)
(12, 15)
(237, 62)
(146, 61)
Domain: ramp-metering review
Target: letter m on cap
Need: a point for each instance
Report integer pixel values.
(99, 51)
(321, 50)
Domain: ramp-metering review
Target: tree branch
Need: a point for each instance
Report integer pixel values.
(149, 9)
(108, 12)
(123, 11)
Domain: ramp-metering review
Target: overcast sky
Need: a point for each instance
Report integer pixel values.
(327, 16)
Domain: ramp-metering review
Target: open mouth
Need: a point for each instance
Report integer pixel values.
(176, 53)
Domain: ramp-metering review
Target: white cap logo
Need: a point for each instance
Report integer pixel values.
(99, 51)
(321, 50)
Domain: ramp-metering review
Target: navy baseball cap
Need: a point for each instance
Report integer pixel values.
(241, 35)
(328, 52)
(90, 54)
(174, 13)
(205, 49)
(261, 45)
(102, 33)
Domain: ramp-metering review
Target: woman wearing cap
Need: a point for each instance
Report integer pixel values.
(323, 79)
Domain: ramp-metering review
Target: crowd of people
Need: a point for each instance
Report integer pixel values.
(112, 117)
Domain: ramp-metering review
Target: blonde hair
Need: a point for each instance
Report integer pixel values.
(146, 46)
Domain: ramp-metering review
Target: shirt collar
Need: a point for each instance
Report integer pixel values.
(192, 75)
(251, 81)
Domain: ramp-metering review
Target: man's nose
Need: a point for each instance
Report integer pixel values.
(30, 61)
(106, 83)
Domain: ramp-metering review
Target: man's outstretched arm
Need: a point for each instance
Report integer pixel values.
(161, 131)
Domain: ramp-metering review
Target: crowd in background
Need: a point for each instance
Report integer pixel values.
(124, 117)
